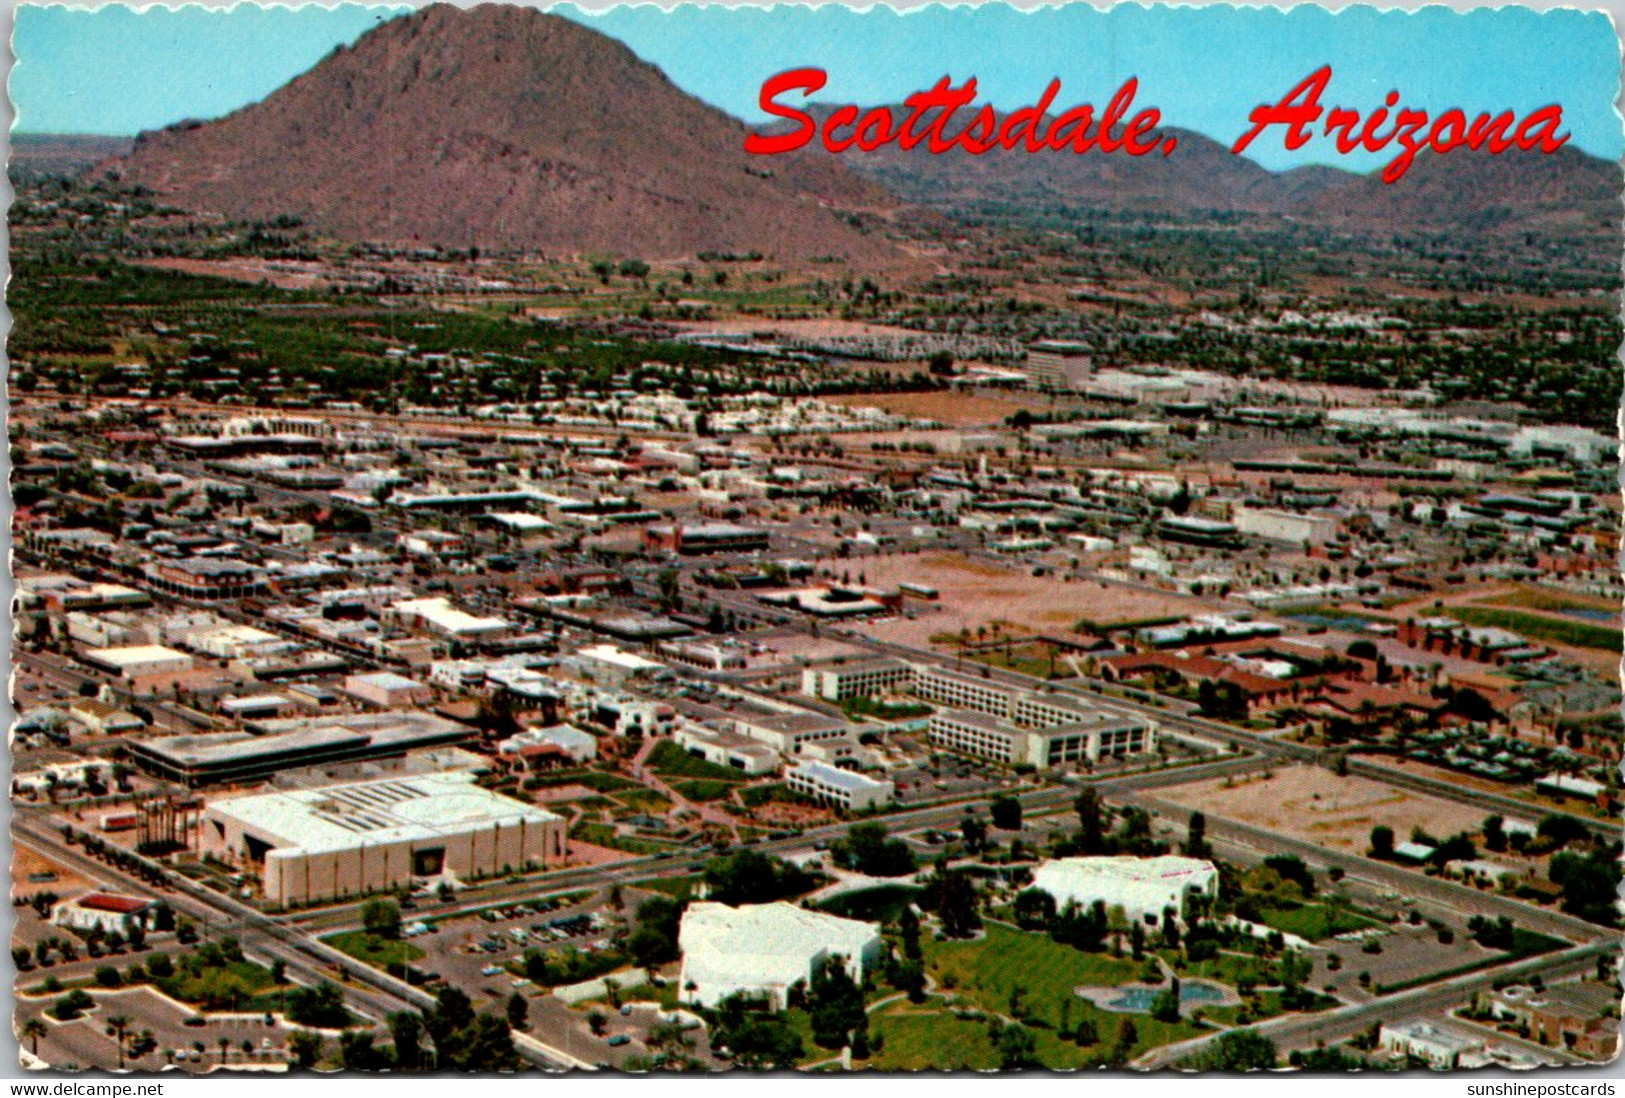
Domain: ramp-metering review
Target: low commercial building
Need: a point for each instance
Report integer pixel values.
(310, 845)
(269, 747)
(846, 789)
(786, 732)
(1580, 1016)
(859, 679)
(712, 537)
(1438, 1048)
(730, 749)
(140, 660)
(103, 719)
(534, 747)
(438, 615)
(762, 950)
(207, 578)
(1143, 887)
(106, 912)
(1287, 527)
(235, 642)
(388, 690)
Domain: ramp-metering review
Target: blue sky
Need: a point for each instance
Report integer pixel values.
(116, 71)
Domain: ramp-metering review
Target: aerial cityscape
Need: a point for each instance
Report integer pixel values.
(497, 591)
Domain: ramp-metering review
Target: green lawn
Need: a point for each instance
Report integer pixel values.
(601, 834)
(705, 789)
(643, 800)
(989, 969)
(985, 972)
(1578, 634)
(239, 985)
(1315, 921)
(1545, 598)
(679, 887)
(375, 950)
(592, 779)
(925, 1037)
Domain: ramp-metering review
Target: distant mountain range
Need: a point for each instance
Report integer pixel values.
(505, 127)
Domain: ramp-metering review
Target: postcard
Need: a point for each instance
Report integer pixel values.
(812, 539)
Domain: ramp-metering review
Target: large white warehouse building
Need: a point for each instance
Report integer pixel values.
(1143, 887)
(311, 845)
(764, 949)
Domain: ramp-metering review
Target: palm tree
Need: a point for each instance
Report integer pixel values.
(118, 1023)
(225, 1049)
(32, 1031)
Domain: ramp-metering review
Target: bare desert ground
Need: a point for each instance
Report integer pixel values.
(975, 592)
(27, 862)
(1311, 803)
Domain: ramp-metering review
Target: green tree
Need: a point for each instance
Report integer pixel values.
(382, 917)
(951, 895)
(834, 1003)
(1091, 821)
(1239, 1050)
(406, 1034)
(1006, 813)
(654, 942)
(1017, 1048)
(1382, 842)
(306, 1047)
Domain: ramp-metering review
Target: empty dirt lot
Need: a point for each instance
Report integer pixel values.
(1307, 802)
(975, 592)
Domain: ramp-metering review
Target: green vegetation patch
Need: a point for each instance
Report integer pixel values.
(1575, 634)
(374, 949)
(669, 759)
(704, 789)
(1315, 922)
(1544, 598)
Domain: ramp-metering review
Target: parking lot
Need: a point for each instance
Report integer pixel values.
(181, 1038)
(472, 952)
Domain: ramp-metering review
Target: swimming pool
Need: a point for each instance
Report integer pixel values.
(1138, 1000)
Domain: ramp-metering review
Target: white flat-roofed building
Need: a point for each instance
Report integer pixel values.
(310, 845)
(1288, 527)
(105, 911)
(729, 749)
(762, 950)
(388, 690)
(846, 788)
(961, 691)
(235, 642)
(968, 732)
(861, 678)
(559, 739)
(1090, 736)
(786, 732)
(1439, 1048)
(616, 664)
(1143, 887)
(1564, 785)
(104, 719)
(438, 615)
(139, 660)
(521, 525)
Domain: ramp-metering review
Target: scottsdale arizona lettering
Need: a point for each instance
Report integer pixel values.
(1079, 130)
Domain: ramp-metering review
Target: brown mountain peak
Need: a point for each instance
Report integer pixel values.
(506, 127)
